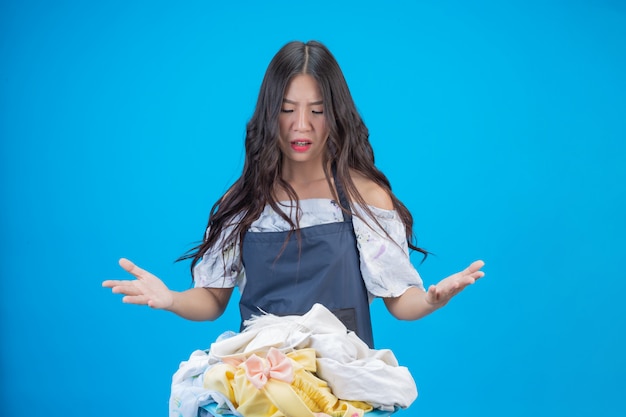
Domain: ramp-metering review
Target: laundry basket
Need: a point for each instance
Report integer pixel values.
(211, 411)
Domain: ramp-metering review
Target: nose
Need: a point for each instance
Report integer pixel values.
(303, 123)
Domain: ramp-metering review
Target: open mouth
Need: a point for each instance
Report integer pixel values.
(300, 145)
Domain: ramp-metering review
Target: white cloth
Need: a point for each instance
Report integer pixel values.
(188, 393)
(352, 370)
(385, 264)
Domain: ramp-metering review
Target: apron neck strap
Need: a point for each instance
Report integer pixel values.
(343, 200)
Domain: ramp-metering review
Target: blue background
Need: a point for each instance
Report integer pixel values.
(500, 124)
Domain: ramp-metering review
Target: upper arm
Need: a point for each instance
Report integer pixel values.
(221, 297)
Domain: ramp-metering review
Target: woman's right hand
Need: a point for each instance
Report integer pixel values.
(146, 289)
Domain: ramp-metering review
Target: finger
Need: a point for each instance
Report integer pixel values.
(468, 279)
(126, 290)
(110, 283)
(136, 299)
(475, 266)
(478, 275)
(472, 272)
(132, 268)
(432, 295)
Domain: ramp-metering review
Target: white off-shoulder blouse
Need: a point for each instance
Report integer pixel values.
(385, 265)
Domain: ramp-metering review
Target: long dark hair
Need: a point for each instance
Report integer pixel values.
(348, 148)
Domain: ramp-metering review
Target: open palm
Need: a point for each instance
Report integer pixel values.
(447, 288)
(146, 289)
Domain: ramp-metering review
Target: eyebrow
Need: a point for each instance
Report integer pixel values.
(314, 103)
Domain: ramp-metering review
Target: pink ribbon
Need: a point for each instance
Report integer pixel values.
(276, 365)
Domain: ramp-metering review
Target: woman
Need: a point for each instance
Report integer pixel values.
(310, 220)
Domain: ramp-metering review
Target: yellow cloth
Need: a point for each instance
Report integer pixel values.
(307, 394)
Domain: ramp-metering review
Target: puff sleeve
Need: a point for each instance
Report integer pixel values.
(220, 266)
(385, 264)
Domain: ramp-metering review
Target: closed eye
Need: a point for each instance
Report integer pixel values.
(291, 111)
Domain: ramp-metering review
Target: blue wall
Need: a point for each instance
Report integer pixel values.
(501, 126)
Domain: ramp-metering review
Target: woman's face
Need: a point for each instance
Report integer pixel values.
(303, 131)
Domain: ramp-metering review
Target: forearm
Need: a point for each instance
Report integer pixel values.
(411, 305)
(200, 304)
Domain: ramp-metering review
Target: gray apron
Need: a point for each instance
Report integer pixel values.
(323, 267)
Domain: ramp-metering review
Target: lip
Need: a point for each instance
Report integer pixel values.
(301, 144)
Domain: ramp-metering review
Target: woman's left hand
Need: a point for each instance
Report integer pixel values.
(438, 295)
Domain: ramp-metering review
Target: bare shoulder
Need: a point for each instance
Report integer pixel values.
(373, 194)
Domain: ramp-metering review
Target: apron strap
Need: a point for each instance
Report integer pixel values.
(343, 200)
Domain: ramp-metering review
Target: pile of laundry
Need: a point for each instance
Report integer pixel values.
(304, 366)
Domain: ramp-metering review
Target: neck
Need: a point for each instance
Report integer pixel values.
(303, 173)
(307, 180)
